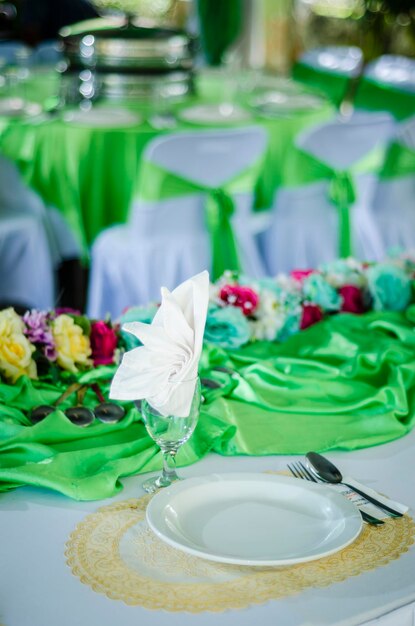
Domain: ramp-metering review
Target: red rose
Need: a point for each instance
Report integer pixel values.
(242, 297)
(103, 343)
(300, 275)
(352, 299)
(311, 315)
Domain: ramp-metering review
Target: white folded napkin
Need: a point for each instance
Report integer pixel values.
(164, 369)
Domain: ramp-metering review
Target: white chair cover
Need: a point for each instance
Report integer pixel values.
(344, 60)
(26, 276)
(304, 230)
(167, 241)
(17, 199)
(394, 201)
(393, 70)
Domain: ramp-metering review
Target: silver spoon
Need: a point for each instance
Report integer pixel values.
(300, 471)
(328, 472)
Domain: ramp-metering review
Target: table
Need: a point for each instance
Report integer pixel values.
(90, 173)
(37, 587)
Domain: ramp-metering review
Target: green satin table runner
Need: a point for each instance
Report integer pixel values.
(346, 383)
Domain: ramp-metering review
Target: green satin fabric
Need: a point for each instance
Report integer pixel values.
(345, 383)
(156, 184)
(374, 96)
(332, 84)
(399, 161)
(90, 174)
(83, 463)
(305, 169)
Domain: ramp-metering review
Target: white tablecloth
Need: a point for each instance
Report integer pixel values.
(37, 588)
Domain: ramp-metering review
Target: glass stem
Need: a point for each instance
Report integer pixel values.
(169, 466)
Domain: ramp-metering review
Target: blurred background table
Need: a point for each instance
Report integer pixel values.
(89, 171)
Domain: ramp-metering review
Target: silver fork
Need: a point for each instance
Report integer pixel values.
(298, 470)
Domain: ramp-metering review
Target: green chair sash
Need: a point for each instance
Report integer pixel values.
(304, 169)
(374, 96)
(399, 161)
(157, 184)
(332, 84)
(220, 25)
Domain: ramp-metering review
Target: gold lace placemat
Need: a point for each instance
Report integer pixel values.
(115, 552)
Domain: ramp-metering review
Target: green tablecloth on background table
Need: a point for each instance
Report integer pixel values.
(90, 174)
(346, 383)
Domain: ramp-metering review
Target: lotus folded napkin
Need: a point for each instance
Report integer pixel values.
(164, 369)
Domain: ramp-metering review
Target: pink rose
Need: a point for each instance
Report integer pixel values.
(103, 343)
(244, 298)
(352, 299)
(311, 315)
(300, 275)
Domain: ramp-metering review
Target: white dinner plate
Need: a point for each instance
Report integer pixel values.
(103, 117)
(279, 102)
(17, 107)
(253, 519)
(214, 114)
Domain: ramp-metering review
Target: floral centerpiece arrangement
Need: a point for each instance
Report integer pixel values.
(64, 342)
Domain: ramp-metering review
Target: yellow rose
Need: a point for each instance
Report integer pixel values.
(72, 346)
(15, 349)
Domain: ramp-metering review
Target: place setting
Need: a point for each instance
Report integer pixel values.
(238, 538)
(211, 113)
(280, 103)
(101, 116)
(14, 107)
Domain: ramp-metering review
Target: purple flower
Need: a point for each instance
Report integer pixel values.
(39, 333)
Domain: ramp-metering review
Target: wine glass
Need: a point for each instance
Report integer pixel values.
(169, 432)
(164, 97)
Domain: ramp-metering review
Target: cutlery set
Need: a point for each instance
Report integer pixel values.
(321, 470)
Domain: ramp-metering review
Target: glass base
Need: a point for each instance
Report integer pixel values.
(151, 485)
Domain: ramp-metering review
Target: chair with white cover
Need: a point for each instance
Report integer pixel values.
(16, 198)
(26, 274)
(325, 209)
(19, 207)
(193, 212)
(329, 69)
(394, 201)
(388, 84)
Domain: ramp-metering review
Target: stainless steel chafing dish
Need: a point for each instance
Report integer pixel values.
(125, 58)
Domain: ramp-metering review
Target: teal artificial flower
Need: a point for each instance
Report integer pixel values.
(143, 314)
(226, 327)
(389, 287)
(318, 291)
(271, 285)
(286, 294)
(344, 271)
(291, 326)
